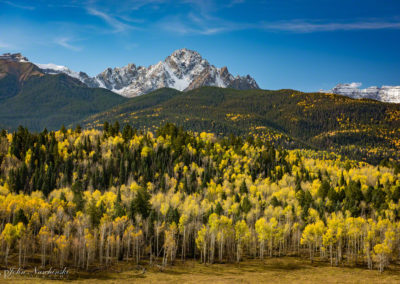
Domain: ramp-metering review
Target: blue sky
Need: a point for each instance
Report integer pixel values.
(300, 44)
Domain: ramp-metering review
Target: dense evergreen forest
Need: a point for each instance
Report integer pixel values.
(93, 198)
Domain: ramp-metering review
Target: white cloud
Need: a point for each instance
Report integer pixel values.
(211, 25)
(117, 25)
(66, 43)
(175, 25)
(137, 4)
(202, 17)
(235, 2)
(19, 6)
(5, 45)
(299, 26)
(131, 46)
(199, 23)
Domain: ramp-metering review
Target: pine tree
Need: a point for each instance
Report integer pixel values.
(119, 210)
(243, 188)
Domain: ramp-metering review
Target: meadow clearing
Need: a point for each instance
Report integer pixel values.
(271, 270)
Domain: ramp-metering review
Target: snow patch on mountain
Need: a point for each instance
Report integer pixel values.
(51, 68)
(176, 83)
(219, 82)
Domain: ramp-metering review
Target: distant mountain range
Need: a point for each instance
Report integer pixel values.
(183, 70)
(186, 70)
(390, 94)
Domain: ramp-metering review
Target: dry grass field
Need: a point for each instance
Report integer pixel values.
(276, 270)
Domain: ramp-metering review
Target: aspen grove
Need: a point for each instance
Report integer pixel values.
(93, 198)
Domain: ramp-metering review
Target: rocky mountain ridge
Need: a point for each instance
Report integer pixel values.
(183, 70)
(15, 57)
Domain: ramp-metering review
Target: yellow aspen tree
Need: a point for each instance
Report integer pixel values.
(213, 225)
(9, 234)
(44, 237)
(369, 237)
(381, 251)
(138, 238)
(20, 231)
(183, 220)
(201, 243)
(127, 239)
(332, 235)
(225, 230)
(170, 243)
(262, 235)
(90, 244)
(312, 236)
(384, 249)
(62, 248)
(273, 233)
(159, 229)
(242, 235)
(119, 225)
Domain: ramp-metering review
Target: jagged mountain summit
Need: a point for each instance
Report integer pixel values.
(183, 70)
(390, 94)
(14, 57)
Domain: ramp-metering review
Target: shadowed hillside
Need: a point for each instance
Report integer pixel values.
(35, 100)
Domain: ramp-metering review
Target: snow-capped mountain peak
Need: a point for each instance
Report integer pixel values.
(183, 70)
(51, 68)
(390, 94)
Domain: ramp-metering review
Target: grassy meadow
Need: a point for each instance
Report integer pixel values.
(271, 270)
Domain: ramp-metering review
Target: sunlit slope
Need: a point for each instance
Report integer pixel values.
(364, 128)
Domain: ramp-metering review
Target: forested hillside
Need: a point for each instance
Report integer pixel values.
(92, 198)
(13, 75)
(53, 100)
(36, 100)
(362, 129)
